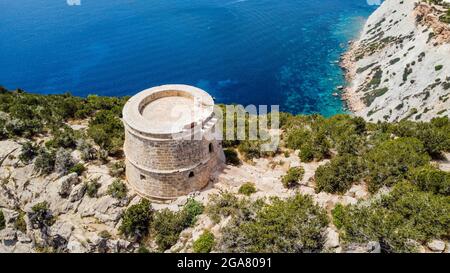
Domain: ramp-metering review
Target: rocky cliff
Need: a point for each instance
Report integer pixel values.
(400, 66)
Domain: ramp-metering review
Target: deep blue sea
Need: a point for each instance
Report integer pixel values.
(241, 51)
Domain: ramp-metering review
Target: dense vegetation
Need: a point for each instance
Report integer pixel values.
(25, 115)
(136, 220)
(395, 158)
(382, 155)
(399, 220)
(292, 225)
(165, 226)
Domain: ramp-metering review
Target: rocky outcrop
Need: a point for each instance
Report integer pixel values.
(78, 218)
(400, 67)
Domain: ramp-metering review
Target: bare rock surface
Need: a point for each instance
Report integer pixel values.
(399, 67)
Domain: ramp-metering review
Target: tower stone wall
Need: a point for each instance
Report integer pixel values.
(171, 145)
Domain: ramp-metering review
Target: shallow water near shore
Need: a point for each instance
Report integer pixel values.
(268, 52)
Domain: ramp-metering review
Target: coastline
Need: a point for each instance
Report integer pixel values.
(398, 66)
(349, 96)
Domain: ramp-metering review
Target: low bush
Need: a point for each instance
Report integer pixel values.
(92, 187)
(306, 153)
(390, 161)
(104, 234)
(28, 152)
(431, 179)
(399, 220)
(45, 161)
(338, 213)
(247, 188)
(167, 225)
(63, 161)
(231, 157)
(63, 138)
(222, 205)
(293, 177)
(136, 220)
(41, 216)
(339, 174)
(296, 224)
(191, 210)
(117, 189)
(106, 129)
(78, 168)
(204, 243)
(20, 223)
(117, 169)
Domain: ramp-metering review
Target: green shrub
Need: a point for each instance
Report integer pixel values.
(136, 220)
(296, 224)
(231, 157)
(45, 161)
(28, 152)
(370, 97)
(430, 179)
(306, 153)
(250, 149)
(339, 174)
(190, 211)
(397, 219)
(2, 220)
(41, 216)
(20, 223)
(352, 144)
(142, 249)
(78, 169)
(390, 161)
(92, 187)
(247, 188)
(222, 205)
(106, 129)
(293, 177)
(167, 225)
(338, 214)
(3, 131)
(204, 243)
(438, 67)
(117, 169)
(63, 138)
(320, 145)
(88, 152)
(104, 234)
(298, 137)
(117, 189)
(24, 128)
(63, 161)
(435, 136)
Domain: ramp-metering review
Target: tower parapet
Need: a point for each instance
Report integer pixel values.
(171, 147)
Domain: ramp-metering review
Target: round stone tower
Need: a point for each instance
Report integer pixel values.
(171, 145)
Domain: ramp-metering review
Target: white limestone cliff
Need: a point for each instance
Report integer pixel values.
(400, 66)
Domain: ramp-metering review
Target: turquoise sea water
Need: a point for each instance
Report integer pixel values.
(241, 51)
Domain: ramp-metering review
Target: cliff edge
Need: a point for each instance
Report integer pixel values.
(400, 66)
